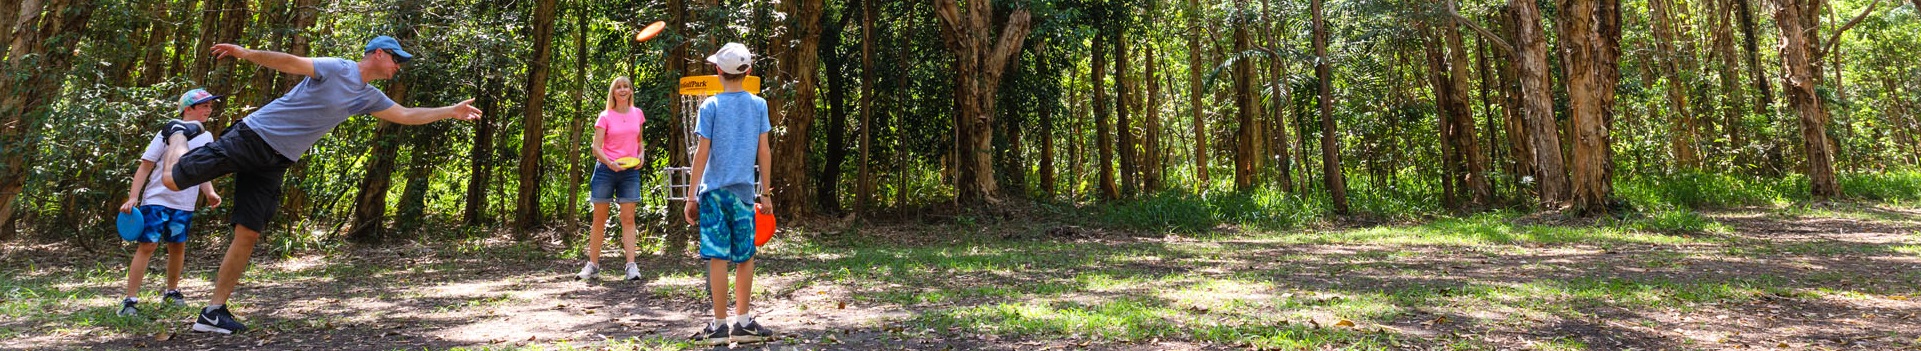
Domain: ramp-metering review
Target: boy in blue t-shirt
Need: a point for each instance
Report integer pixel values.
(733, 136)
(167, 213)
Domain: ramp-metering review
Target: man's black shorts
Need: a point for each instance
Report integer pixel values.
(257, 171)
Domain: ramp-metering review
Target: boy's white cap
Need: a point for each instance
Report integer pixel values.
(732, 58)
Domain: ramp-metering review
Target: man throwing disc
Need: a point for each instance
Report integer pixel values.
(258, 150)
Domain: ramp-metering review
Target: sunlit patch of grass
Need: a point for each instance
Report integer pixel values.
(1481, 230)
(1914, 250)
(1133, 320)
(1683, 222)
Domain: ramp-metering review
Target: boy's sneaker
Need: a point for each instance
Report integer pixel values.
(587, 272)
(633, 271)
(714, 333)
(751, 332)
(190, 130)
(127, 309)
(217, 320)
(174, 297)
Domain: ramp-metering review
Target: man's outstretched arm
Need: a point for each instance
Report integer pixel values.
(423, 115)
(278, 61)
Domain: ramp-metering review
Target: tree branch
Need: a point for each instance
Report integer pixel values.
(1496, 39)
(950, 25)
(1498, 42)
(1018, 24)
(1835, 41)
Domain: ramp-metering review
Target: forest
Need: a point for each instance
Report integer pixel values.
(1291, 123)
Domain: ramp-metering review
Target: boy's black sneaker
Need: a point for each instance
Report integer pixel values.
(127, 309)
(217, 320)
(714, 333)
(751, 332)
(174, 297)
(190, 130)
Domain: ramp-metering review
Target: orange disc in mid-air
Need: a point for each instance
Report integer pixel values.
(651, 31)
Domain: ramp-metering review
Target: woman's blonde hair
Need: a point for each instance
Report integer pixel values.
(616, 85)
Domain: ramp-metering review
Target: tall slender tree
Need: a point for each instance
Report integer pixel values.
(864, 192)
(1247, 149)
(527, 203)
(1194, 92)
(1330, 149)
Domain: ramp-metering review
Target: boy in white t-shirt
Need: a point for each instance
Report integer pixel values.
(167, 213)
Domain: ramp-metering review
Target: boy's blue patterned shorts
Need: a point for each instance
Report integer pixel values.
(726, 227)
(164, 225)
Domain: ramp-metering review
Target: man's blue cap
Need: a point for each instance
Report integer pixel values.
(388, 43)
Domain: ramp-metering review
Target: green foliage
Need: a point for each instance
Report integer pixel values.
(1690, 190)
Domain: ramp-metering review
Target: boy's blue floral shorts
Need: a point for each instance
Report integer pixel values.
(164, 225)
(726, 227)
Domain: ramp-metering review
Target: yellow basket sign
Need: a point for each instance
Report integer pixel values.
(710, 85)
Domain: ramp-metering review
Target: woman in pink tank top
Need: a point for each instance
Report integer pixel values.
(616, 136)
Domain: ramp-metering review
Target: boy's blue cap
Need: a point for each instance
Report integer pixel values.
(388, 43)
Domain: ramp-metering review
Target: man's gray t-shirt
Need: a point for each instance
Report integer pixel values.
(297, 120)
(732, 123)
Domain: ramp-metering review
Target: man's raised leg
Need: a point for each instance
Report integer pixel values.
(176, 146)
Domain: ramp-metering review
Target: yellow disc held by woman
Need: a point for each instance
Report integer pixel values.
(628, 162)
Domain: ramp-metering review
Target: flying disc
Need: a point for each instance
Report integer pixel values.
(131, 224)
(627, 162)
(763, 226)
(651, 31)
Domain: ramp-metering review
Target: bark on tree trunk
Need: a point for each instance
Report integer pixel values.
(152, 65)
(1103, 139)
(1537, 104)
(1194, 91)
(1151, 143)
(1745, 12)
(1590, 44)
(1123, 107)
(980, 59)
(578, 126)
(37, 60)
(792, 112)
(1800, 82)
(1330, 150)
(481, 156)
(827, 184)
(1437, 74)
(864, 192)
(1247, 149)
(427, 142)
(527, 203)
(1474, 163)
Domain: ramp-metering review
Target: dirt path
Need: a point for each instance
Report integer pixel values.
(1847, 284)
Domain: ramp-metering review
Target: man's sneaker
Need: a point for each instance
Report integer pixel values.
(751, 332)
(633, 271)
(217, 320)
(174, 297)
(127, 309)
(190, 130)
(588, 272)
(714, 333)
